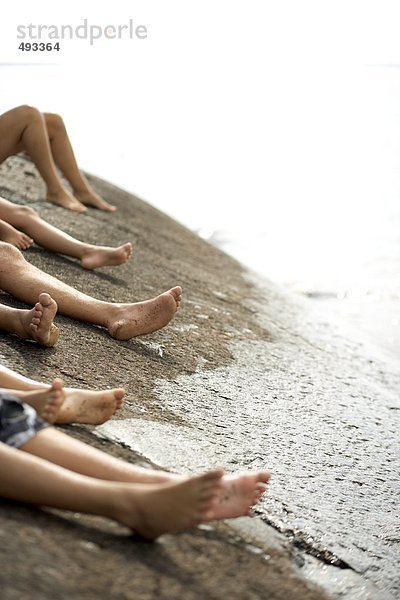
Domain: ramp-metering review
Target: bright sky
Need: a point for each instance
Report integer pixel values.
(231, 115)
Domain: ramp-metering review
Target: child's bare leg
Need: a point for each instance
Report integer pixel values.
(47, 236)
(47, 402)
(29, 479)
(35, 324)
(12, 380)
(236, 495)
(80, 406)
(67, 452)
(149, 510)
(64, 158)
(92, 407)
(123, 321)
(24, 129)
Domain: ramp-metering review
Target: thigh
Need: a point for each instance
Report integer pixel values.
(12, 125)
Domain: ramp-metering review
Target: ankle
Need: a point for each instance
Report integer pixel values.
(121, 506)
(87, 250)
(17, 322)
(84, 188)
(55, 191)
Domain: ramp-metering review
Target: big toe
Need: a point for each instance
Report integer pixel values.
(264, 476)
(45, 299)
(119, 394)
(176, 292)
(57, 384)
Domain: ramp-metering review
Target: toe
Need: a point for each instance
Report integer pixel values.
(44, 299)
(57, 384)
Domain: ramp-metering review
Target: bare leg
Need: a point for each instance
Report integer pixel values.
(238, 493)
(149, 510)
(47, 402)
(67, 452)
(35, 324)
(123, 321)
(64, 158)
(44, 234)
(80, 406)
(24, 129)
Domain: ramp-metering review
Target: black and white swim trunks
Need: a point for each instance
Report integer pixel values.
(18, 422)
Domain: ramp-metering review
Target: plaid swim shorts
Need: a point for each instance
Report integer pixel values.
(19, 422)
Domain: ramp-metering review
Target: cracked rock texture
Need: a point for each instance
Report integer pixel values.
(246, 376)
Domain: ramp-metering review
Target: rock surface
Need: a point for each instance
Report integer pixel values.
(244, 377)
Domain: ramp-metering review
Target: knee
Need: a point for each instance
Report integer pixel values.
(28, 113)
(24, 214)
(54, 122)
(9, 256)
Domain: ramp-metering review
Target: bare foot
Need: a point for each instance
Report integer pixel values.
(90, 407)
(239, 493)
(103, 256)
(65, 199)
(9, 234)
(37, 323)
(145, 317)
(154, 509)
(90, 198)
(46, 402)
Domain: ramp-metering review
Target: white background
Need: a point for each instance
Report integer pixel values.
(273, 125)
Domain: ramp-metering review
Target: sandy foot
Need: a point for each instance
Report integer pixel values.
(154, 509)
(90, 198)
(90, 407)
(37, 323)
(103, 256)
(65, 199)
(145, 317)
(46, 402)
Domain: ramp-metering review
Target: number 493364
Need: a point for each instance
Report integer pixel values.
(38, 47)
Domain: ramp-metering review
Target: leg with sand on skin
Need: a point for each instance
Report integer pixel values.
(237, 494)
(64, 158)
(21, 226)
(35, 324)
(123, 321)
(23, 129)
(150, 510)
(92, 407)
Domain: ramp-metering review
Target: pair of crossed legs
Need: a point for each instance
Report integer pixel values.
(43, 136)
(56, 470)
(122, 321)
(91, 407)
